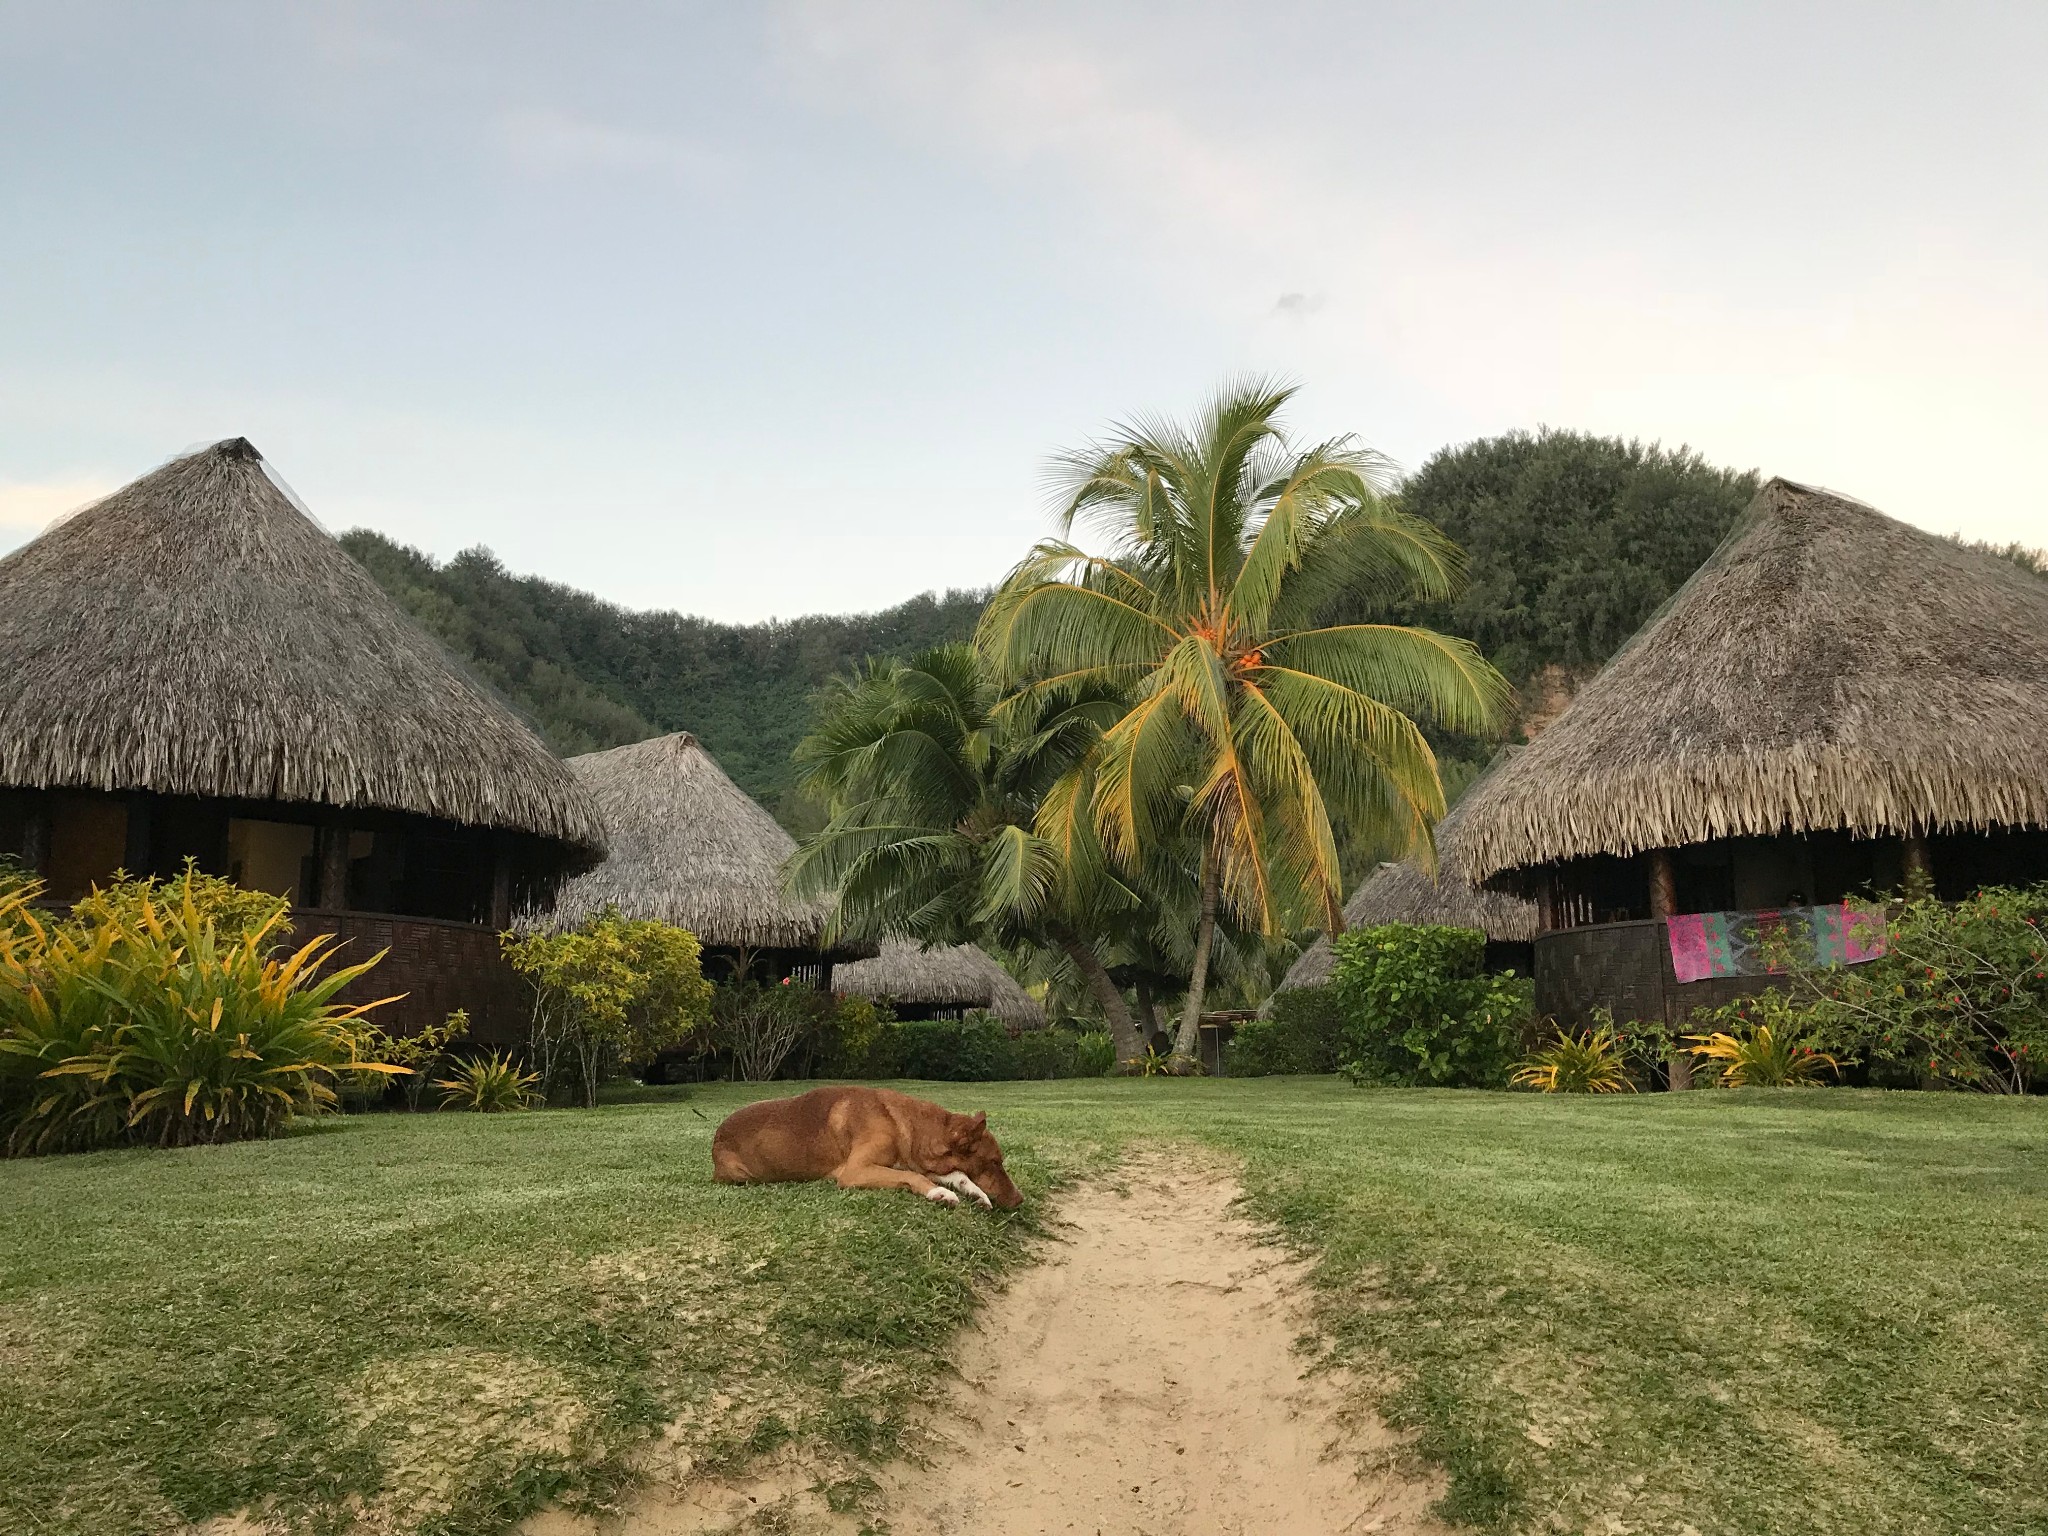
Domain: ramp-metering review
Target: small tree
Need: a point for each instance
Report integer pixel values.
(610, 992)
(760, 1024)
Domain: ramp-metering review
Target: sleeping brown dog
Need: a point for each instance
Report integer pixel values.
(864, 1138)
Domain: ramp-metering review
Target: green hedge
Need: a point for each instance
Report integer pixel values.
(975, 1049)
(1303, 1032)
(1421, 1011)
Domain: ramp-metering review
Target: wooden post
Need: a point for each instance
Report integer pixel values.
(501, 882)
(1919, 867)
(136, 854)
(1663, 906)
(35, 836)
(332, 841)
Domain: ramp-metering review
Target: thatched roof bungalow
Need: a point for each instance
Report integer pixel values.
(1405, 892)
(942, 982)
(690, 847)
(1835, 702)
(195, 668)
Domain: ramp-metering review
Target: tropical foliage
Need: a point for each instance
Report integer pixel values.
(1421, 1010)
(145, 1024)
(977, 1049)
(1249, 725)
(611, 993)
(936, 794)
(1589, 1061)
(489, 1085)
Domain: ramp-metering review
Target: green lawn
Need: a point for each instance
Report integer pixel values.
(1818, 1312)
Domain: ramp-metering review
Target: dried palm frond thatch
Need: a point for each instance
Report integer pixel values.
(1828, 668)
(689, 847)
(196, 633)
(1407, 893)
(950, 976)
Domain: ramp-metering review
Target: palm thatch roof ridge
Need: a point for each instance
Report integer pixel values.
(951, 976)
(1828, 668)
(197, 633)
(1407, 893)
(692, 848)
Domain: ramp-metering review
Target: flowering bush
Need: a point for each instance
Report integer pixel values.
(1960, 997)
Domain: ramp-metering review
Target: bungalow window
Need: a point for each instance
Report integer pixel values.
(88, 840)
(272, 856)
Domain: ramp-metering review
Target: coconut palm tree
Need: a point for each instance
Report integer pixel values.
(1252, 723)
(933, 804)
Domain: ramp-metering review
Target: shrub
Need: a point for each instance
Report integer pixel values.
(610, 993)
(1590, 1062)
(1420, 1009)
(489, 1085)
(1044, 1054)
(1762, 1058)
(142, 1023)
(760, 1024)
(1303, 1032)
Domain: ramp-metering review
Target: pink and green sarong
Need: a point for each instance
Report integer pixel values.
(1705, 944)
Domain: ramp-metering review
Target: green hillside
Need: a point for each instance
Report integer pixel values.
(1573, 541)
(591, 674)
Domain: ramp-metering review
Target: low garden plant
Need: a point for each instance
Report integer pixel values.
(1590, 1061)
(489, 1085)
(1421, 1010)
(977, 1049)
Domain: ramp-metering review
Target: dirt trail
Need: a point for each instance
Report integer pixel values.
(1141, 1382)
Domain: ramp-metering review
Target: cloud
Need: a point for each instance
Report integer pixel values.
(549, 142)
(27, 508)
(1298, 304)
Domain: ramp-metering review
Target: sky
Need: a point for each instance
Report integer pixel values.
(776, 308)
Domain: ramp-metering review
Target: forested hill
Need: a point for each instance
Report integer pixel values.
(591, 674)
(1573, 541)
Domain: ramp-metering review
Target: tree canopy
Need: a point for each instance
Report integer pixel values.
(1571, 541)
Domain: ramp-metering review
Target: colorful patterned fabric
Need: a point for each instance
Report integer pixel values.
(1705, 944)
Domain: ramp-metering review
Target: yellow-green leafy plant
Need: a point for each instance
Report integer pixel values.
(489, 1085)
(1764, 1058)
(419, 1054)
(144, 1024)
(610, 993)
(1591, 1061)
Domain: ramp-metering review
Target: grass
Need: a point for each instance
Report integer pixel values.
(1726, 1311)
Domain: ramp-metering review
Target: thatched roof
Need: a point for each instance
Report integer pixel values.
(690, 848)
(196, 633)
(1828, 667)
(1407, 893)
(959, 976)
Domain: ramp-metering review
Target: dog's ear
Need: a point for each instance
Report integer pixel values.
(967, 1129)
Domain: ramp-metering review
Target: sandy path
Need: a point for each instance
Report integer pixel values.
(1141, 1382)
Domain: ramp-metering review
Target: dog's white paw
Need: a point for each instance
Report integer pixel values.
(941, 1196)
(967, 1186)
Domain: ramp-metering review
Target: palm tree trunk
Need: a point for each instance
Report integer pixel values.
(1123, 1030)
(1188, 1042)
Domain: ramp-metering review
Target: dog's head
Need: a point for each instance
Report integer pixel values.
(972, 1151)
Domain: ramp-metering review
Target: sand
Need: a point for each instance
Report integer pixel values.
(1142, 1381)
